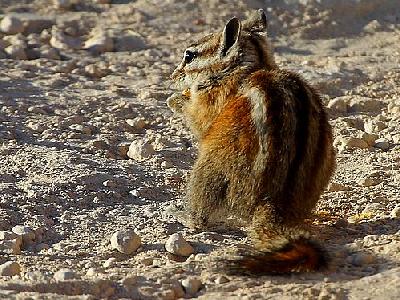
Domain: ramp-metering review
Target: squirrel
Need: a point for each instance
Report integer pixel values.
(265, 146)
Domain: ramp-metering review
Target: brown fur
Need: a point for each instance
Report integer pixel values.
(265, 146)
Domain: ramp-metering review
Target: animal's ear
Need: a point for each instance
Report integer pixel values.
(231, 34)
(256, 22)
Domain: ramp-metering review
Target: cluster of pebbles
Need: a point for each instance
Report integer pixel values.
(92, 160)
(30, 36)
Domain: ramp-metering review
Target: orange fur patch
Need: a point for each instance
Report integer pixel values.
(232, 130)
(299, 256)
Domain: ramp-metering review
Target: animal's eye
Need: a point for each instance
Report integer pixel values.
(189, 56)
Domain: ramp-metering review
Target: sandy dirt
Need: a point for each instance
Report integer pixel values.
(81, 80)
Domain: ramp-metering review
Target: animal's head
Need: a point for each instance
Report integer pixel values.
(240, 47)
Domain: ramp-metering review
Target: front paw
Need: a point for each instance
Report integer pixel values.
(176, 102)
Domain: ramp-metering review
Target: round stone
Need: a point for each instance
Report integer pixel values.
(125, 241)
(177, 245)
(10, 268)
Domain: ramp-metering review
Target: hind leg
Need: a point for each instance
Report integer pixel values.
(206, 195)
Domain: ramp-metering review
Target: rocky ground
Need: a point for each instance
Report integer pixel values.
(92, 158)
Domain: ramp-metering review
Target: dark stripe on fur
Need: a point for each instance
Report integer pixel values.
(302, 115)
(259, 49)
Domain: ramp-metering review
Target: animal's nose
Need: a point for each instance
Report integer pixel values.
(174, 74)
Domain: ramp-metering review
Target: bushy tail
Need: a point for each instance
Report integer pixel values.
(296, 256)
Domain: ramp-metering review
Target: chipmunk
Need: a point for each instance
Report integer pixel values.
(265, 146)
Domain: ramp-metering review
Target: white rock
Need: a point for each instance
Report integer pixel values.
(16, 52)
(140, 150)
(96, 70)
(109, 262)
(138, 122)
(39, 127)
(191, 285)
(10, 268)
(369, 126)
(60, 40)
(369, 181)
(177, 245)
(336, 187)
(129, 42)
(373, 26)
(11, 25)
(221, 279)
(373, 208)
(91, 272)
(37, 109)
(125, 241)
(364, 104)
(36, 276)
(63, 4)
(394, 107)
(338, 105)
(8, 235)
(10, 246)
(100, 42)
(27, 234)
(395, 213)
(65, 274)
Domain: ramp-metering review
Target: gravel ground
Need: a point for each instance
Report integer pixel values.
(92, 158)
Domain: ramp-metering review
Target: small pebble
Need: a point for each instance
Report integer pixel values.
(148, 261)
(8, 235)
(177, 245)
(395, 213)
(373, 208)
(42, 246)
(65, 274)
(129, 281)
(10, 268)
(16, 52)
(109, 262)
(338, 105)
(382, 144)
(125, 241)
(100, 42)
(99, 144)
(91, 272)
(63, 4)
(11, 25)
(191, 285)
(364, 104)
(221, 279)
(369, 181)
(129, 42)
(337, 187)
(26, 232)
(360, 259)
(354, 142)
(138, 122)
(140, 150)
